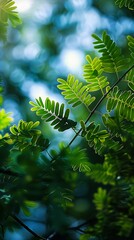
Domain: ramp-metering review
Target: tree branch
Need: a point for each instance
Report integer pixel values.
(99, 102)
(27, 228)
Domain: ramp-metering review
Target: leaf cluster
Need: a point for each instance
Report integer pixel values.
(8, 13)
(125, 3)
(5, 119)
(25, 136)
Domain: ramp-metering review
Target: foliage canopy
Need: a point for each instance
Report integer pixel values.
(91, 183)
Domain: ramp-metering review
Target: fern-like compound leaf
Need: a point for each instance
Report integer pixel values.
(93, 75)
(7, 10)
(105, 172)
(53, 112)
(130, 79)
(8, 13)
(123, 102)
(112, 61)
(116, 128)
(5, 119)
(80, 163)
(26, 136)
(125, 3)
(100, 199)
(94, 136)
(131, 45)
(75, 92)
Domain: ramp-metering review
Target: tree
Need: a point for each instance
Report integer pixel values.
(87, 183)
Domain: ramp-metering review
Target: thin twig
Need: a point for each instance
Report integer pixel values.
(9, 173)
(99, 102)
(79, 226)
(33, 220)
(51, 235)
(27, 228)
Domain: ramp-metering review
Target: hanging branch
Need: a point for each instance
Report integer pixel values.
(27, 228)
(99, 102)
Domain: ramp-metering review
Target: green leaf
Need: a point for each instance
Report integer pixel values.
(26, 211)
(125, 3)
(5, 119)
(100, 199)
(131, 44)
(94, 136)
(129, 78)
(112, 60)
(41, 102)
(66, 115)
(75, 92)
(80, 163)
(8, 13)
(30, 204)
(26, 136)
(7, 10)
(123, 102)
(93, 75)
(14, 130)
(54, 113)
